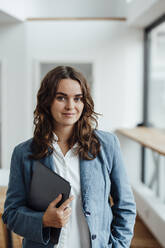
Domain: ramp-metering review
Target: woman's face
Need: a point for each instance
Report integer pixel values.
(67, 105)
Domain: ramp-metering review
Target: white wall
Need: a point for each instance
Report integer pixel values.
(15, 8)
(14, 88)
(120, 79)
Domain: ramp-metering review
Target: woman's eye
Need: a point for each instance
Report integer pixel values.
(78, 99)
(60, 98)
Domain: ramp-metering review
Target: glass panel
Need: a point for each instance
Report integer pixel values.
(156, 86)
(156, 108)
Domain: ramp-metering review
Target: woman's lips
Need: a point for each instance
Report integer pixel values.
(68, 114)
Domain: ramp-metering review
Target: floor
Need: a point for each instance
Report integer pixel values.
(142, 238)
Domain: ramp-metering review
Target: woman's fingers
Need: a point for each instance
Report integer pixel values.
(67, 212)
(62, 217)
(57, 217)
(66, 203)
(64, 214)
(57, 200)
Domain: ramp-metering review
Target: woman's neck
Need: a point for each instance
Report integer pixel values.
(63, 134)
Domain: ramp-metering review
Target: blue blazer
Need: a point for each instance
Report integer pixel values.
(101, 177)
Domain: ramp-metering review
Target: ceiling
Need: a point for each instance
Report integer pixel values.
(23, 9)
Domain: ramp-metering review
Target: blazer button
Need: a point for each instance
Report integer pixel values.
(93, 236)
(87, 213)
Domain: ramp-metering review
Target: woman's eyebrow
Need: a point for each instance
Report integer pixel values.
(64, 94)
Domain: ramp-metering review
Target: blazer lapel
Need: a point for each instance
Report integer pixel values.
(86, 168)
(48, 161)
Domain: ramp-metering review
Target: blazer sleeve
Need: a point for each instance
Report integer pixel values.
(124, 208)
(18, 217)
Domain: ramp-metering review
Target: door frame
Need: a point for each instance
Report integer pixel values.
(3, 112)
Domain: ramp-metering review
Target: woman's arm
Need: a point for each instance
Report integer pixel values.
(124, 208)
(18, 217)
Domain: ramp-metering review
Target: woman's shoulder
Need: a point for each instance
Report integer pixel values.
(105, 136)
(109, 141)
(24, 146)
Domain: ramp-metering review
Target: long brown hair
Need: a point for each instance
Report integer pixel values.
(84, 135)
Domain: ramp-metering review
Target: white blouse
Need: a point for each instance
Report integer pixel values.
(76, 232)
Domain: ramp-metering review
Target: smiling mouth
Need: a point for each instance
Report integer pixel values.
(68, 114)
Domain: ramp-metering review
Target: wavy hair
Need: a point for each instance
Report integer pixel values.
(83, 134)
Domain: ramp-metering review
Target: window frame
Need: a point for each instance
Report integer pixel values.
(147, 46)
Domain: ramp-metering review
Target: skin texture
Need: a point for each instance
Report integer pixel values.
(66, 110)
(57, 217)
(67, 106)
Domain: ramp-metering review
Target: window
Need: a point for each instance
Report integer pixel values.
(153, 173)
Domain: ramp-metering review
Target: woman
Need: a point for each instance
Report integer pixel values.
(67, 141)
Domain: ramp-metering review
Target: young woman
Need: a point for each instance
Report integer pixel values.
(66, 140)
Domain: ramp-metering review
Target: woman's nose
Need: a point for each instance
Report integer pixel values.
(69, 104)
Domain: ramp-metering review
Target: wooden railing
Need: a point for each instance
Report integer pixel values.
(154, 140)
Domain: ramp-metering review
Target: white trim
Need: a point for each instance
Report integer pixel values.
(3, 99)
(36, 81)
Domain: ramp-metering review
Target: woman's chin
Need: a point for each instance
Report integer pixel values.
(68, 123)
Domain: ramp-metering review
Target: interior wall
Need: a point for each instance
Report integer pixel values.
(120, 80)
(14, 88)
(16, 8)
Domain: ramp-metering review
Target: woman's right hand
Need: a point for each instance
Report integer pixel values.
(57, 217)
